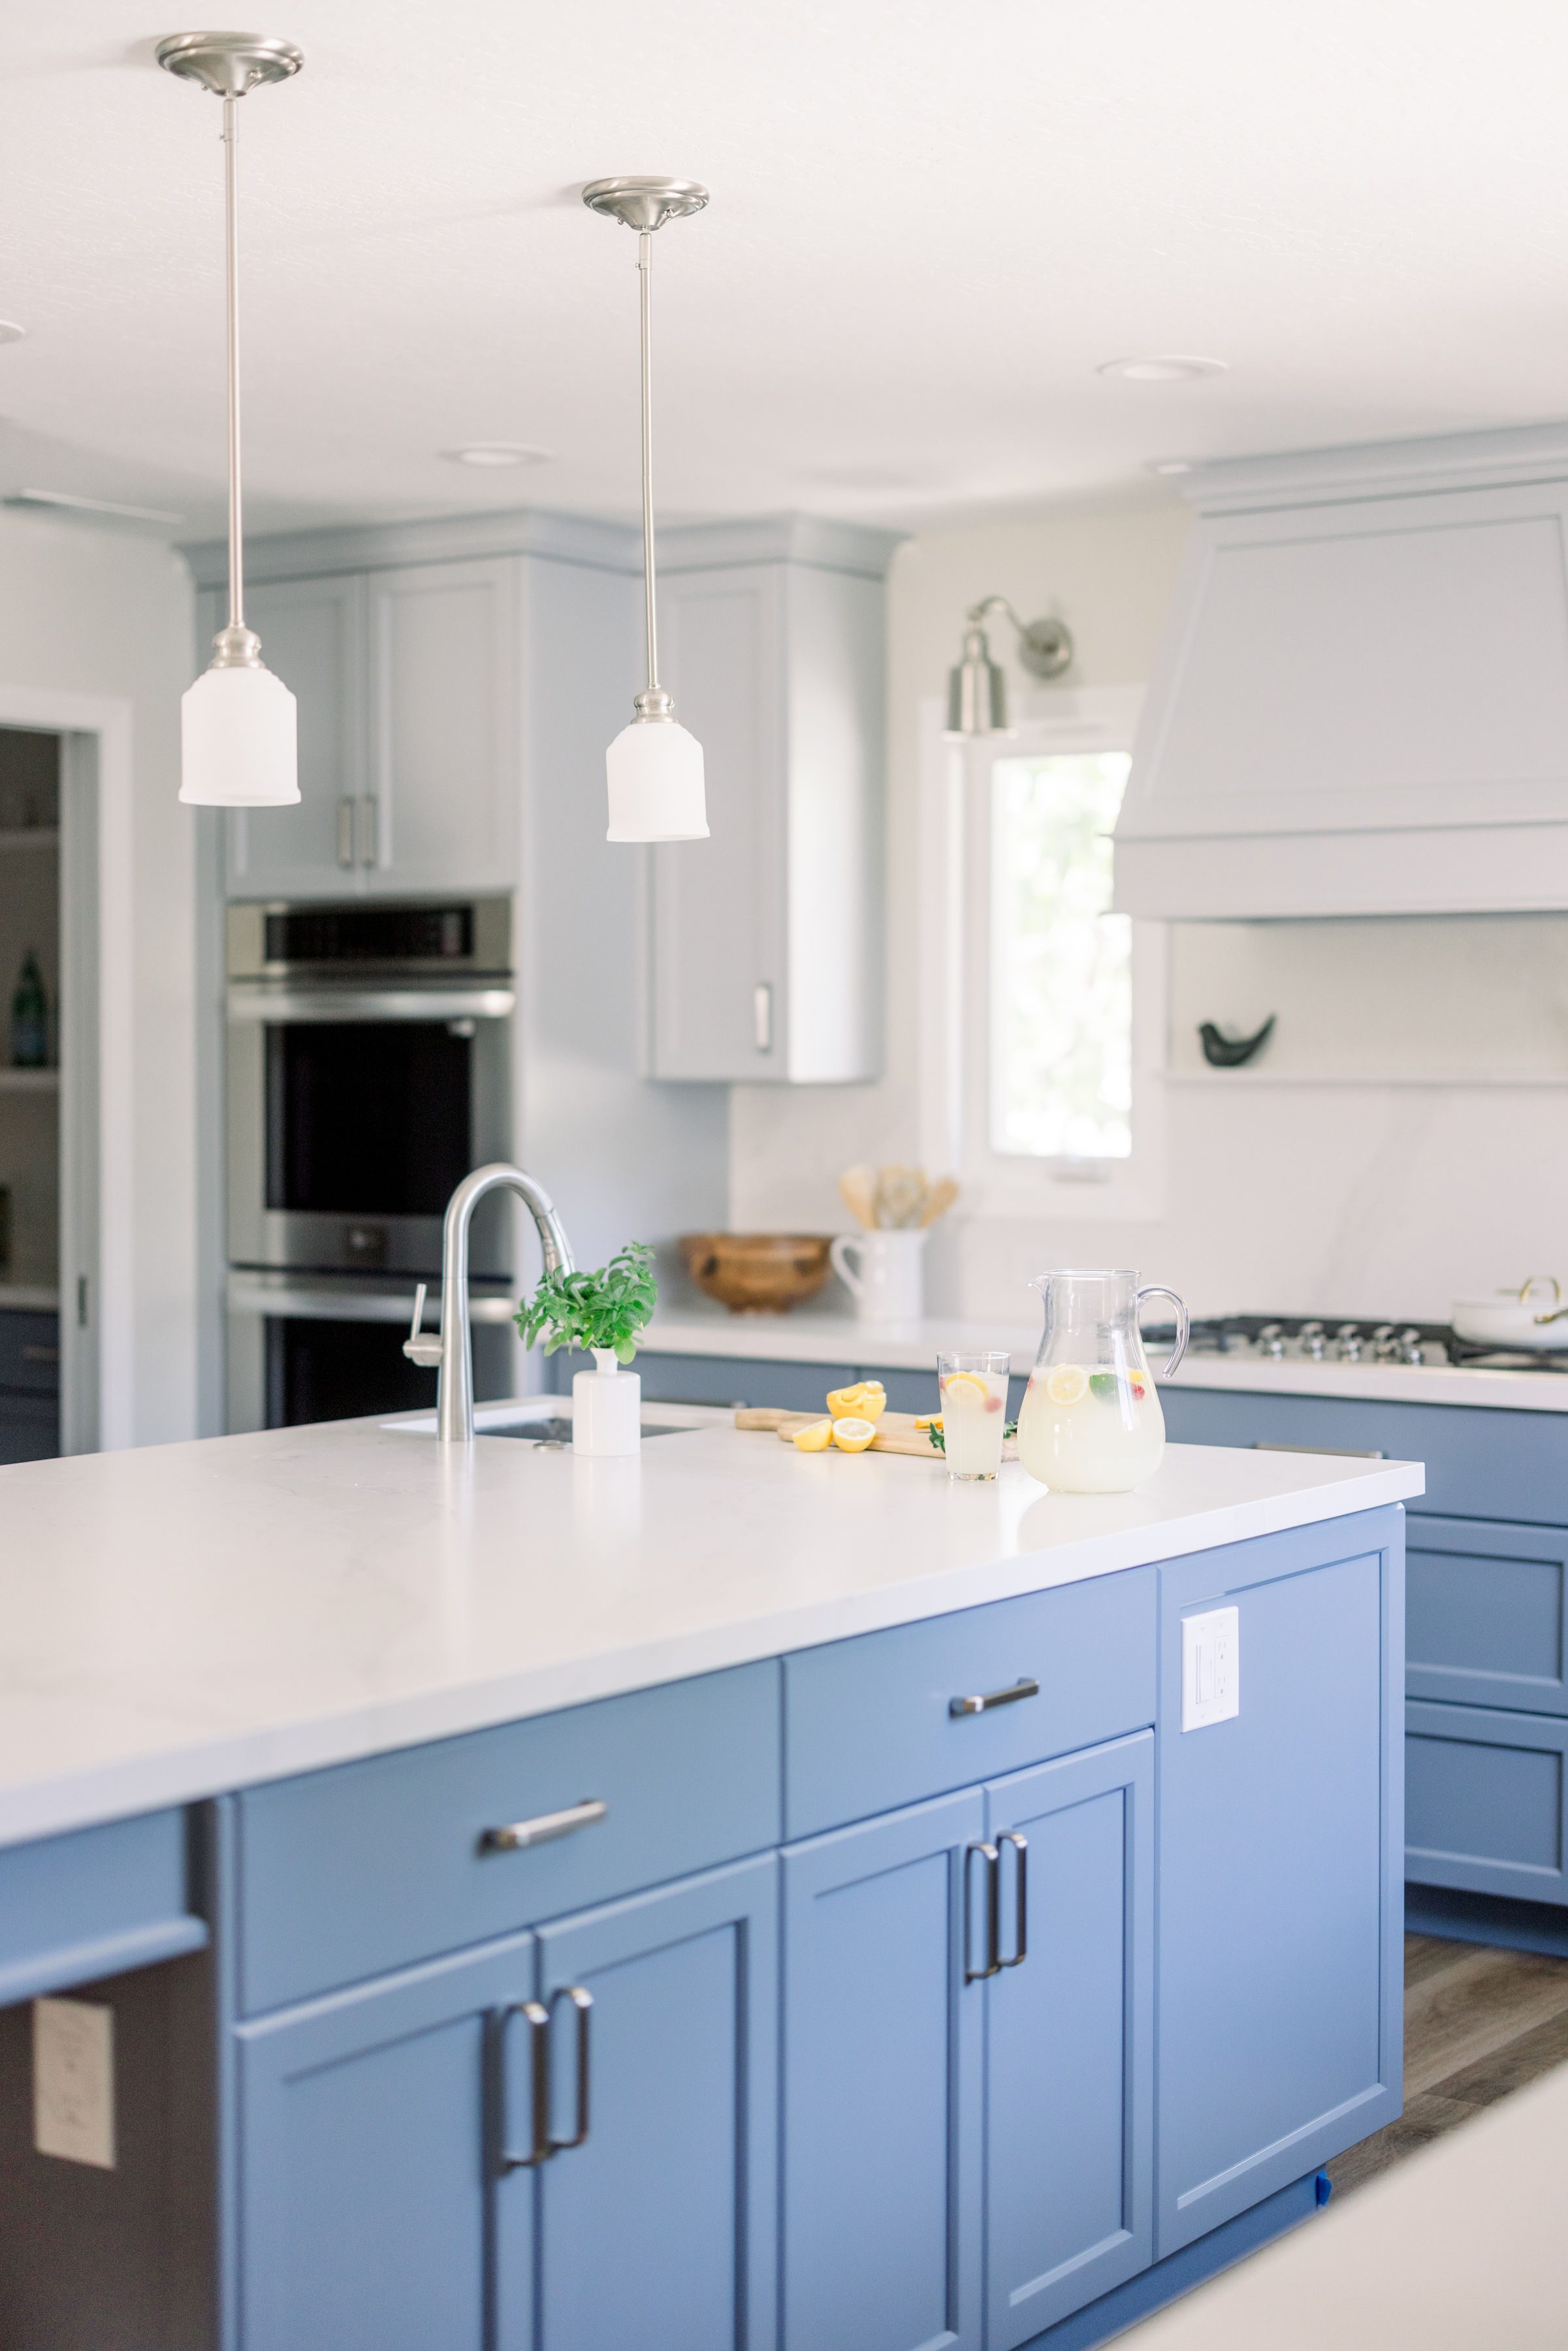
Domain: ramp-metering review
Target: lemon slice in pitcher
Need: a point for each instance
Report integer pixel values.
(1067, 1384)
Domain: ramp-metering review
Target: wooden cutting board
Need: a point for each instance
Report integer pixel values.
(895, 1431)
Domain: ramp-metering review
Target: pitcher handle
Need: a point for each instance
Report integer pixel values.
(838, 1255)
(1162, 1289)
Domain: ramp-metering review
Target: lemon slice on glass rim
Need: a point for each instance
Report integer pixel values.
(963, 1387)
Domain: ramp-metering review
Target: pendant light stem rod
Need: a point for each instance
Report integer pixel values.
(231, 202)
(645, 273)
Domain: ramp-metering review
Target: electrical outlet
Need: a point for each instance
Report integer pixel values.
(1211, 1667)
(73, 2081)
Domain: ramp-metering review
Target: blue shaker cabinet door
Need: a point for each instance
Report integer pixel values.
(1069, 2038)
(659, 2230)
(374, 2214)
(883, 2088)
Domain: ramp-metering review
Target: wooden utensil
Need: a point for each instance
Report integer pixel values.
(857, 1189)
(899, 1193)
(895, 1431)
(939, 1199)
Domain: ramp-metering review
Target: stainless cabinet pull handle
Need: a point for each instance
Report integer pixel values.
(540, 2149)
(543, 1828)
(1020, 1939)
(582, 2004)
(346, 830)
(1028, 1687)
(992, 1860)
(370, 813)
(762, 1016)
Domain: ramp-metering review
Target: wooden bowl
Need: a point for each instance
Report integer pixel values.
(758, 1273)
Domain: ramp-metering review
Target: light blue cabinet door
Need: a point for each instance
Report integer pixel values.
(1069, 2038)
(658, 2233)
(883, 2088)
(374, 2214)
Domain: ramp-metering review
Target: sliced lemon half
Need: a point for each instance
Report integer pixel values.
(865, 1400)
(928, 1420)
(1067, 1384)
(851, 1436)
(817, 1438)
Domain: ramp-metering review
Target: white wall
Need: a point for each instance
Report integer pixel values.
(1381, 1193)
(96, 611)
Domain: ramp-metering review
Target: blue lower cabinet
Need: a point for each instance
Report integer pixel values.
(373, 2213)
(1486, 1620)
(1070, 2037)
(1485, 1800)
(659, 2231)
(883, 2045)
(1281, 1968)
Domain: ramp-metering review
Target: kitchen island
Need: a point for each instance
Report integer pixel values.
(714, 1899)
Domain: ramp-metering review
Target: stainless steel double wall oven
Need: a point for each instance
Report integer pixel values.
(369, 1069)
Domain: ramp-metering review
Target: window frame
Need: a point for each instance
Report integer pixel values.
(955, 993)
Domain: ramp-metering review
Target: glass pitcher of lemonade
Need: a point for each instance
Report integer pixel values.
(1091, 1421)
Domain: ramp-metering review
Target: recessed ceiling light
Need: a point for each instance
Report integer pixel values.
(497, 453)
(10, 332)
(1167, 368)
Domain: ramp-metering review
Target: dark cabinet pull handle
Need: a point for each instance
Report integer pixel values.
(1026, 1688)
(537, 2020)
(1020, 1938)
(581, 2006)
(992, 1860)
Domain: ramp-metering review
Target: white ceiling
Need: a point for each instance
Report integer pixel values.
(930, 221)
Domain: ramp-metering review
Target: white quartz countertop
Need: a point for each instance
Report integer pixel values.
(188, 1618)
(818, 1337)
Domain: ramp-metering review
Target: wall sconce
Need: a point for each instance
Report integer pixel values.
(977, 690)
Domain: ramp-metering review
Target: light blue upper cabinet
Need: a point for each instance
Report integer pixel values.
(767, 949)
(1070, 2037)
(313, 637)
(444, 754)
(883, 2082)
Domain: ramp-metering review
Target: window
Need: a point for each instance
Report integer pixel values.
(1044, 1017)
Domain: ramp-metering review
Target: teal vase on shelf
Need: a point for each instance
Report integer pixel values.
(30, 1018)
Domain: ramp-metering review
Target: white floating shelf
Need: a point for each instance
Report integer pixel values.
(30, 836)
(30, 1082)
(1245, 1080)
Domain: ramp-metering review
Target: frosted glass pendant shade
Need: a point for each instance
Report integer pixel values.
(238, 740)
(655, 775)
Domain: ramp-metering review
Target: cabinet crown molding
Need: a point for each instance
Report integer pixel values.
(1448, 461)
(587, 539)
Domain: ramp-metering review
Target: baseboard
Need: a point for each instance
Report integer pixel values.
(1180, 2271)
(1487, 1919)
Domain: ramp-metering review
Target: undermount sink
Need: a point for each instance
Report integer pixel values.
(540, 1420)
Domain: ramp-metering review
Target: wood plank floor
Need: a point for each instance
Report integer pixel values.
(1478, 2023)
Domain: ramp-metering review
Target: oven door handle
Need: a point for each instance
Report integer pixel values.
(278, 1007)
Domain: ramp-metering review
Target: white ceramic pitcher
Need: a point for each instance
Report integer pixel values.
(883, 1271)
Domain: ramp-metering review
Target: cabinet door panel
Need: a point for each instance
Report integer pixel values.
(716, 928)
(1484, 1801)
(882, 2087)
(1070, 2042)
(659, 2233)
(312, 636)
(444, 722)
(373, 2217)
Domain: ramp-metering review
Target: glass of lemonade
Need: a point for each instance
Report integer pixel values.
(973, 1386)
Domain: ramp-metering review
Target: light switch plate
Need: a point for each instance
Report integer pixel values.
(73, 2081)
(1211, 1667)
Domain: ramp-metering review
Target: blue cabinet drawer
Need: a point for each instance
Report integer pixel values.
(1483, 1801)
(869, 1723)
(1486, 1622)
(30, 1353)
(725, 1380)
(349, 1872)
(95, 1903)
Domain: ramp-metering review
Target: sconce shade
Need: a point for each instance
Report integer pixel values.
(238, 740)
(976, 691)
(655, 775)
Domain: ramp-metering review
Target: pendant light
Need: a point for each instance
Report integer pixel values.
(238, 730)
(654, 768)
(976, 687)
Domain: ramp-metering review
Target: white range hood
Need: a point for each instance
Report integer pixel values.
(1361, 706)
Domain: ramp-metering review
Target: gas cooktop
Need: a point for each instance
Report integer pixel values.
(1333, 1339)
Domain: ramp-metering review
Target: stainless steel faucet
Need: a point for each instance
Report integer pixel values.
(453, 1351)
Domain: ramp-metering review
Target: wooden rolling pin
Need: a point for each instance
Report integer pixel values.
(895, 1431)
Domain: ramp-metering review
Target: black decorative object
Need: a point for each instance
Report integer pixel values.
(1232, 1052)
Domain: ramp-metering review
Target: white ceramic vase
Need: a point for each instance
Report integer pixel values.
(883, 1271)
(606, 1408)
